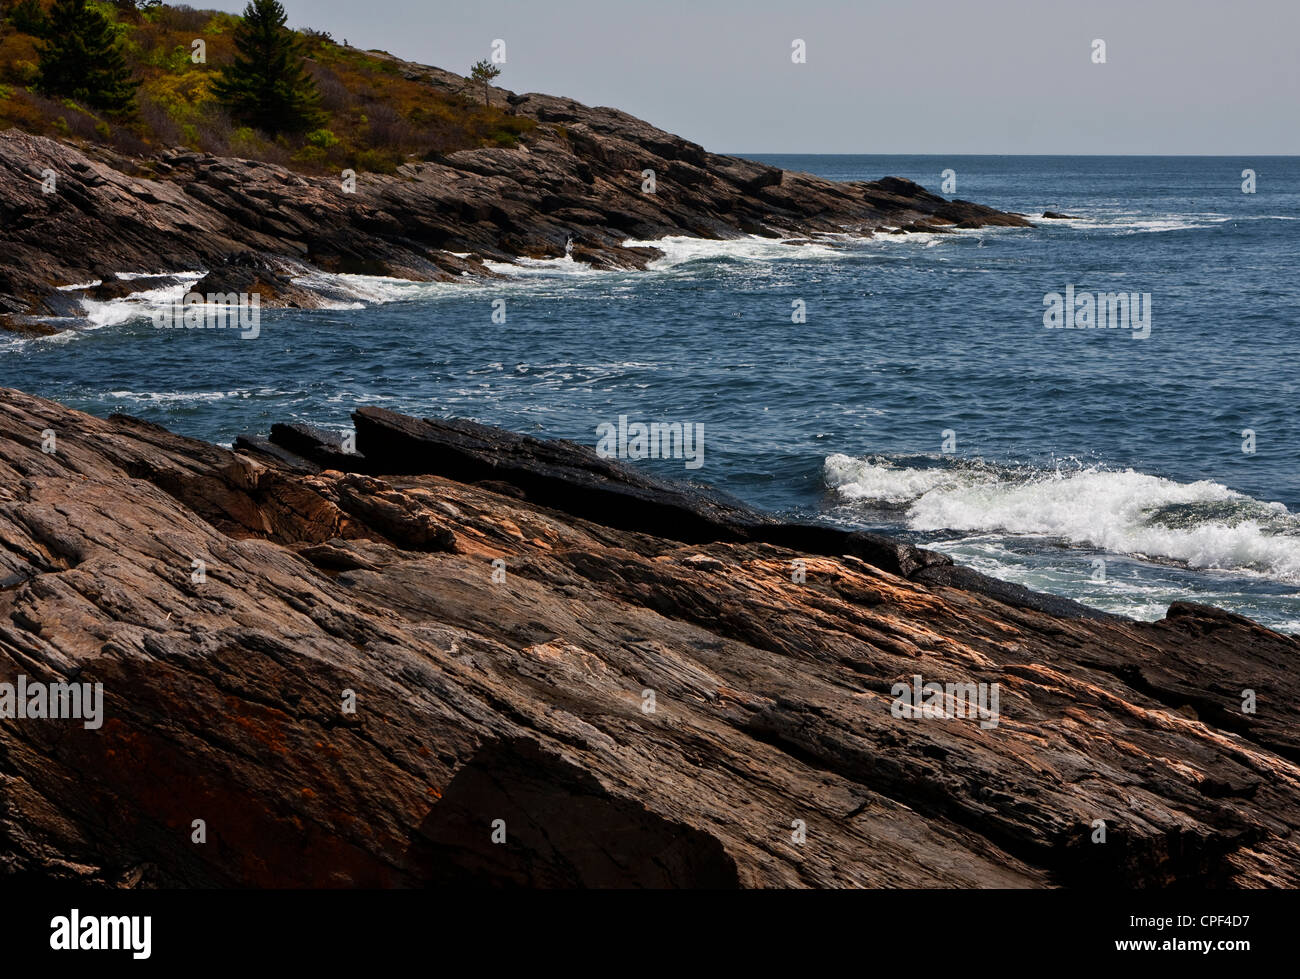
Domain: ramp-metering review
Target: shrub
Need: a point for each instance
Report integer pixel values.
(322, 138)
(221, 23)
(375, 161)
(21, 112)
(207, 128)
(22, 72)
(334, 93)
(128, 142)
(313, 156)
(186, 99)
(157, 120)
(175, 59)
(181, 17)
(386, 127)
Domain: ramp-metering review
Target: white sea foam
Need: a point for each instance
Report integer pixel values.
(545, 267)
(1202, 525)
(347, 291)
(139, 304)
(174, 397)
(1125, 223)
(680, 249)
(342, 291)
(200, 397)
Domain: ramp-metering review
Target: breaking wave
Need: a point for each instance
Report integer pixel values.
(1202, 525)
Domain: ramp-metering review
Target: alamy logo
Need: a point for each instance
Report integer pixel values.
(1105, 310)
(34, 700)
(215, 311)
(657, 440)
(133, 933)
(947, 701)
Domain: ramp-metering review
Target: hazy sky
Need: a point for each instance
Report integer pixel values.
(904, 76)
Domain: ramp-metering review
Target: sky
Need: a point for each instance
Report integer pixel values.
(903, 76)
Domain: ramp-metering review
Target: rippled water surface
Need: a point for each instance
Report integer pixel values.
(1086, 463)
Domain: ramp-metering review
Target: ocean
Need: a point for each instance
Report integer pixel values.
(902, 383)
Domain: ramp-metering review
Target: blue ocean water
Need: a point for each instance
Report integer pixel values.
(1086, 463)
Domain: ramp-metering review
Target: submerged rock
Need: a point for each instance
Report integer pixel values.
(248, 273)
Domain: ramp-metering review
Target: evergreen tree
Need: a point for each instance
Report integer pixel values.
(81, 58)
(484, 72)
(28, 16)
(267, 84)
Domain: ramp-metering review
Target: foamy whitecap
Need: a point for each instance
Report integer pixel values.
(563, 266)
(174, 397)
(339, 291)
(344, 291)
(139, 304)
(350, 292)
(680, 249)
(1129, 223)
(1202, 525)
(876, 480)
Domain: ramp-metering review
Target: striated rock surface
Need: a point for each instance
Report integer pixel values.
(574, 185)
(523, 696)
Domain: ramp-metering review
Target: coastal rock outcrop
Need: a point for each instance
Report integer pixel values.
(461, 655)
(573, 186)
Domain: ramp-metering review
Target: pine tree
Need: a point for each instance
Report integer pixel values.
(267, 84)
(28, 17)
(484, 72)
(81, 59)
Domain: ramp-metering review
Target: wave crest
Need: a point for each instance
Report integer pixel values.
(1202, 524)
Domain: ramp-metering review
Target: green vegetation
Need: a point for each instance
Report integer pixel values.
(365, 115)
(81, 57)
(29, 17)
(267, 85)
(484, 72)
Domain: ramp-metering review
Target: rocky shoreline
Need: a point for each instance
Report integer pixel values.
(575, 185)
(349, 665)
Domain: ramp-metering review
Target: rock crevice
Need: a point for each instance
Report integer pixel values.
(386, 652)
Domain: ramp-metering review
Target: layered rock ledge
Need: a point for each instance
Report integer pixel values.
(502, 610)
(574, 185)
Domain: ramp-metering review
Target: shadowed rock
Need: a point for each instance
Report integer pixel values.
(556, 826)
(376, 664)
